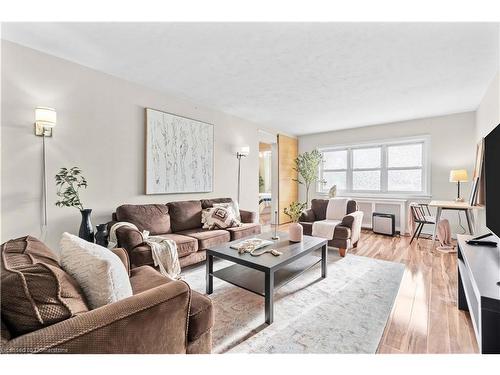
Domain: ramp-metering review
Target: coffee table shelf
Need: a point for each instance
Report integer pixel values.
(254, 280)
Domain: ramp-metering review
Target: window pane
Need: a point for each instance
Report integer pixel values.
(366, 180)
(334, 178)
(366, 158)
(405, 180)
(405, 155)
(335, 159)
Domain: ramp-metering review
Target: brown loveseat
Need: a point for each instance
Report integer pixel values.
(44, 310)
(346, 234)
(179, 221)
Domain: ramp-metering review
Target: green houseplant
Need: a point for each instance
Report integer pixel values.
(69, 181)
(295, 230)
(307, 166)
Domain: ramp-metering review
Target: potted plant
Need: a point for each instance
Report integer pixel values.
(295, 230)
(69, 182)
(307, 166)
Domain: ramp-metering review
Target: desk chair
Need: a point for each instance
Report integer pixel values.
(421, 215)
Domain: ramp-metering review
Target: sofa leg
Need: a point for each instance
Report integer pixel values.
(342, 251)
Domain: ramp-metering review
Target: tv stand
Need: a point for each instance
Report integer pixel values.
(479, 291)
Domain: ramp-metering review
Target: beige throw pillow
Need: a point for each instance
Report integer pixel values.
(219, 218)
(99, 272)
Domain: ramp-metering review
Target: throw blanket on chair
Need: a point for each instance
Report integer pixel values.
(163, 250)
(335, 212)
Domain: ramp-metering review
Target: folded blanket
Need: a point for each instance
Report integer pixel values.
(163, 250)
(324, 228)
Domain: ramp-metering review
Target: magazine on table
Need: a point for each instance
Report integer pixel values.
(251, 244)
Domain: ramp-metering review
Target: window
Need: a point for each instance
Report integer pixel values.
(392, 168)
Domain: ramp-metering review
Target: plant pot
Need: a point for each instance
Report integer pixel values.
(295, 232)
(101, 235)
(86, 229)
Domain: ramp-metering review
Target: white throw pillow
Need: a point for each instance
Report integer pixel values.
(99, 272)
(234, 205)
(220, 218)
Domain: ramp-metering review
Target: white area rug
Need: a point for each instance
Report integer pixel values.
(344, 313)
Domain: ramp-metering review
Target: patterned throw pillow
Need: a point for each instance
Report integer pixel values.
(219, 218)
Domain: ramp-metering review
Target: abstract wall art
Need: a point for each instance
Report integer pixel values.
(179, 154)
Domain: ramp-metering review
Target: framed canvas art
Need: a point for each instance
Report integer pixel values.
(179, 154)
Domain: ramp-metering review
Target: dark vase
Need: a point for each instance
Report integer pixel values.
(86, 230)
(101, 236)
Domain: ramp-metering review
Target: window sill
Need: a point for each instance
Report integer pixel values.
(380, 196)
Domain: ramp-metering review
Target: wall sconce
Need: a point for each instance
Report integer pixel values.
(242, 152)
(45, 120)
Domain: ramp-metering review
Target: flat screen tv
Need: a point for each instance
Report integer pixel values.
(492, 180)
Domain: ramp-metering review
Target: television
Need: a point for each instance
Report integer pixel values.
(492, 180)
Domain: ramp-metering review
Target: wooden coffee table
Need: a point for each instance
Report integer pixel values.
(265, 274)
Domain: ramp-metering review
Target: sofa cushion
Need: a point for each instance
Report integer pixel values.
(151, 217)
(185, 215)
(246, 229)
(100, 273)
(201, 314)
(208, 238)
(141, 255)
(36, 292)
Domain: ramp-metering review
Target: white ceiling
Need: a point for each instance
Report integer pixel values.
(296, 77)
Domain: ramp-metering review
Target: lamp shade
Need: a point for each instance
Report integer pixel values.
(243, 150)
(45, 117)
(458, 175)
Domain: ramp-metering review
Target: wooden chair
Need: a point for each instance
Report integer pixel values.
(421, 215)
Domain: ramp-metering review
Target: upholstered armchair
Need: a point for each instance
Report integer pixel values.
(347, 232)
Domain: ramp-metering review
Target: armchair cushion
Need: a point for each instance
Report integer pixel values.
(151, 217)
(249, 217)
(35, 291)
(123, 255)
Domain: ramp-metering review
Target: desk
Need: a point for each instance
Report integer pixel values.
(453, 205)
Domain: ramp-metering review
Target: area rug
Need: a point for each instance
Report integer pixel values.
(344, 313)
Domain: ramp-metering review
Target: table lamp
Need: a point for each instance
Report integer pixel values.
(458, 176)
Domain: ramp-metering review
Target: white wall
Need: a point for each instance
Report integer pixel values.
(100, 128)
(453, 146)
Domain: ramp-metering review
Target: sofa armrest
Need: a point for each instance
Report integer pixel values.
(307, 216)
(154, 321)
(248, 216)
(123, 255)
(128, 238)
(353, 221)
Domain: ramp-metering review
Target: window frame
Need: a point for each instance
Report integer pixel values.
(384, 169)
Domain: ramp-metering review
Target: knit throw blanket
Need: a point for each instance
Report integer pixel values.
(163, 250)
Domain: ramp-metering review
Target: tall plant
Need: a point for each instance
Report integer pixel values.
(69, 182)
(307, 166)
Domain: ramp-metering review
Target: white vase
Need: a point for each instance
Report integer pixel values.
(295, 232)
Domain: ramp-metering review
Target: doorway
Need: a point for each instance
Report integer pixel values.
(265, 183)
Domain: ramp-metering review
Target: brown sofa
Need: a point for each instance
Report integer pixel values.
(179, 221)
(346, 234)
(44, 311)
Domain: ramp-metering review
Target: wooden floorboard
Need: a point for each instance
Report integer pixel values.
(425, 317)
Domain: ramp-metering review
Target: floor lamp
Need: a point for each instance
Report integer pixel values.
(45, 120)
(241, 153)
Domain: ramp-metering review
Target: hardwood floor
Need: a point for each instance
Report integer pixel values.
(425, 317)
